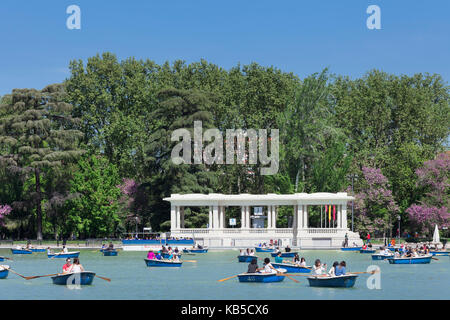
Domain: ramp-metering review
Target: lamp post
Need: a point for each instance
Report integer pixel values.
(399, 232)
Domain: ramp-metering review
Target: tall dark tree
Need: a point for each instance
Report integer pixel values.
(37, 134)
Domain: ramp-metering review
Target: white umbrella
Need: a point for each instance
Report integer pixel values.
(436, 235)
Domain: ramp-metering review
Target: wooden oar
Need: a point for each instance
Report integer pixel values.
(434, 258)
(221, 280)
(103, 278)
(17, 273)
(57, 254)
(284, 274)
(371, 272)
(47, 275)
(188, 261)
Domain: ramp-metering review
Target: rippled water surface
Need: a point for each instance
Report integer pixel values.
(132, 279)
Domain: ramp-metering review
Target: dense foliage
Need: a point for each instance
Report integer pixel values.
(379, 129)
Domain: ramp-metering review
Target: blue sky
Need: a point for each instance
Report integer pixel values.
(298, 36)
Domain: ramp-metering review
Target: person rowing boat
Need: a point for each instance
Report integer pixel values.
(319, 268)
(253, 266)
(268, 268)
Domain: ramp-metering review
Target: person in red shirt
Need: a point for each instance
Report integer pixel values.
(67, 265)
(368, 237)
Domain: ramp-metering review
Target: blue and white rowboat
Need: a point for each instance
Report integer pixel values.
(84, 278)
(292, 267)
(162, 263)
(411, 260)
(367, 251)
(440, 253)
(110, 253)
(262, 277)
(351, 248)
(74, 254)
(4, 272)
(246, 258)
(344, 281)
(21, 251)
(2, 258)
(285, 254)
(204, 250)
(379, 256)
(259, 249)
(38, 250)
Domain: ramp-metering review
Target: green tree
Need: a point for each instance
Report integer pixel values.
(38, 134)
(94, 211)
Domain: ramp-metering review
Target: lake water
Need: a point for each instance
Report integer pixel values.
(132, 279)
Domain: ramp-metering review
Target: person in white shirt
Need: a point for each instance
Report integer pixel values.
(318, 268)
(252, 253)
(76, 267)
(332, 271)
(268, 268)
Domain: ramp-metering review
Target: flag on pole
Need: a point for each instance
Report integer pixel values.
(334, 213)
(329, 213)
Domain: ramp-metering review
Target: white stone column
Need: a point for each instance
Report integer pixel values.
(210, 218)
(177, 211)
(215, 217)
(173, 218)
(338, 216)
(295, 218)
(182, 217)
(247, 219)
(220, 217)
(300, 217)
(269, 217)
(243, 217)
(344, 216)
(305, 216)
(274, 217)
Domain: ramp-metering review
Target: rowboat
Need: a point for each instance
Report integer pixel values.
(367, 251)
(292, 268)
(204, 250)
(2, 259)
(110, 253)
(38, 250)
(351, 248)
(379, 256)
(285, 254)
(162, 263)
(440, 253)
(259, 249)
(246, 258)
(84, 278)
(21, 251)
(411, 260)
(262, 277)
(74, 254)
(344, 281)
(4, 272)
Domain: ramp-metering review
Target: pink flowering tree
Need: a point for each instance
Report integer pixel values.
(433, 208)
(4, 211)
(129, 189)
(375, 207)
